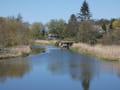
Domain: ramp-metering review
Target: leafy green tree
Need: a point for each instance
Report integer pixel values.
(84, 11)
(116, 24)
(37, 29)
(57, 27)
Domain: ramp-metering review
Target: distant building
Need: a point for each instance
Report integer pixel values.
(53, 36)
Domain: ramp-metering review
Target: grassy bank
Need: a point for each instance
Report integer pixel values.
(45, 42)
(110, 53)
(16, 51)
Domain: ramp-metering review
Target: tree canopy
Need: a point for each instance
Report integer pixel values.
(72, 27)
(84, 11)
(13, 32)
(116, 24)
(56, 27)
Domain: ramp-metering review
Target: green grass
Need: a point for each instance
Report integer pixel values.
(74, 49)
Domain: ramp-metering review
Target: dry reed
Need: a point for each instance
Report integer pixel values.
(111, 52)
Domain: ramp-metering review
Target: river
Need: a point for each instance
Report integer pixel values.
(52, 68)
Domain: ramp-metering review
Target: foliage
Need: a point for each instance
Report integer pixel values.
(111, 38)
(102, 21)
(57, 27)
(104, 27)
(111, 23)
(84, 12)
(72, 27)
(116, 24)
(37, 29)
(87, 33)
(13, 32)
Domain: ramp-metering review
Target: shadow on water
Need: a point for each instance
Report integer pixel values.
(81, 68)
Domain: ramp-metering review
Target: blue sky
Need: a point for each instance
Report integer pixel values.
(45, 10)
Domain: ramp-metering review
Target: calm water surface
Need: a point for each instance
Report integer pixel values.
(58, 69)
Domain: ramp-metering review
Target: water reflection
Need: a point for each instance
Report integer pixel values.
(79, 67)
(17, 68)
(37, 49)
(111, 67)
(84, 71)
(59, 62)
(12, 69)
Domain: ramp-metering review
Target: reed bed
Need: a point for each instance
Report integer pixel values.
(103, 51)
(45, 42)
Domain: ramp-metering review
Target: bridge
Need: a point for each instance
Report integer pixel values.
(64, 44)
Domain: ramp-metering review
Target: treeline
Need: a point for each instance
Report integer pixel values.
(13, 31)
(81, 28)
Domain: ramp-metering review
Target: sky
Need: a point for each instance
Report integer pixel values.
(45, 10)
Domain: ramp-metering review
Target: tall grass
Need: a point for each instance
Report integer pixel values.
(108, 52)
(45, 42)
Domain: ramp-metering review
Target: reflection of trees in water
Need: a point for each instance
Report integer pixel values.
(83, 70)
(111, 67)
(79, 67)
(58, 62)
(12, 69)
(37, 50)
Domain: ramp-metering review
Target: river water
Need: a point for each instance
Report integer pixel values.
(52, 68)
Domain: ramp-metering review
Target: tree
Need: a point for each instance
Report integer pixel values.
(72, 27)
(37, 29)
(19, 18)
(116, 24)
(57, 27)
(113, 36)
(87, 32)
(104, 27)
(111, 23)
(13, 32)
(2, 31)
(84, 11)
(102, 21)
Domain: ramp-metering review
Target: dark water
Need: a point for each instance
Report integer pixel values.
(58, 69)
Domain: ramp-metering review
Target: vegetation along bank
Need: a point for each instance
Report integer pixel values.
(104, 52)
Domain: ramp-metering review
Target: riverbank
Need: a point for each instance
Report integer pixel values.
(15, 51)
(111, 53)
(45, 42)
